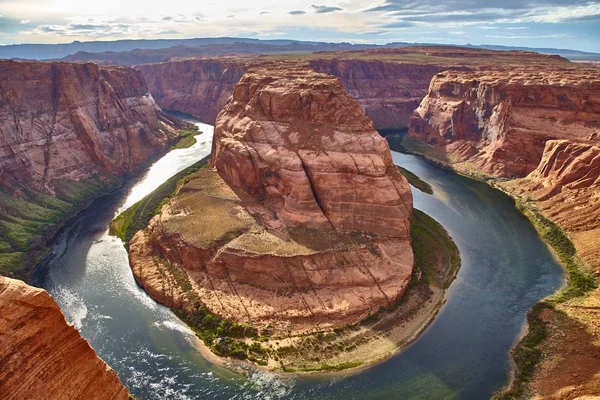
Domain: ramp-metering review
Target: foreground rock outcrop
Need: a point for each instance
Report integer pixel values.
(498, 121)
(42, 356)
(303, 226)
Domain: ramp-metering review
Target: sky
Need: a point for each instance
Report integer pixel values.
(571, 24)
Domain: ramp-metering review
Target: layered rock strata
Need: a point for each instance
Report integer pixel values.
(199, 87)
(304, 222)
(566, 188)
(44, 357)
(389, 92)
(62, 121)
(497, 122)
(68, 133)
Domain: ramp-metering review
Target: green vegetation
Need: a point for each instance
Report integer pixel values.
(580, 281)
(138, 216)
(416, 181)
(433, 249)
(527, 354)
(30, 218)
(224, 337)
(186, 139)
(394, 137)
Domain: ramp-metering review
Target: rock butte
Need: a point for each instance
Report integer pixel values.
(287, 231)
(42, 356)
(62, 121)
(497, 122)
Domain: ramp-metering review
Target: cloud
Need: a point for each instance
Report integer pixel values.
(325, 9)
(25, 21)
(550, 36)
(297, 12)
(398, 24)
(92, 30)
(467, 12)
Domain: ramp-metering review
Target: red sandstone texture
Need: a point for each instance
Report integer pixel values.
(193, 86)
(566, 188)
(388, 92)
(497, 122)
(42, 356)
(306, 224)
(69, 121)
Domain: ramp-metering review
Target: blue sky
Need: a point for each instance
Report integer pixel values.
(571, 24)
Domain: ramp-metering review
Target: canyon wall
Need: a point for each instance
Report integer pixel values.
(388, 92)
(199, 87)
(42, 356)
(68, 121)
(498, 121)
(566, 189)
(68, 133)
(287, 231)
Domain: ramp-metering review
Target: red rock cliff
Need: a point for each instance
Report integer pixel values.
(193, 86)
(69, 121)
(389, 92)
(42, 356)
(566, 188)
(498, 121)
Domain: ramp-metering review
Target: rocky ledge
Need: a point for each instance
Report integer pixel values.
(497, 122)
(42, 356)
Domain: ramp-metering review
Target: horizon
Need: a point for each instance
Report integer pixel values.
(535, 24)
(465, 45)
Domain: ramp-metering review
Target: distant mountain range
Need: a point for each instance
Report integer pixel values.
(83, 51)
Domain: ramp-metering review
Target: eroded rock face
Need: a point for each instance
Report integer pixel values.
(497, 122)
(193, 86)
(302, 225)
(388, 92)
(42, 356)
(296, 138)
(69, 121)
(566, 188)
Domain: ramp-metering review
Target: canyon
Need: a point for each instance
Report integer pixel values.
(44, 357)
(538, 127)
(294, 151)
(289, 197)
(297, 210)
(388, 83)
(499, 121)
(69, 132)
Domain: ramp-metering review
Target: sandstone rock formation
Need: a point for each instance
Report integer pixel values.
(306, 224)
(68, 121)
(566, 188)
(193, 86)
(42, 356)
(389, 92)
(297, 139)
(497, 122)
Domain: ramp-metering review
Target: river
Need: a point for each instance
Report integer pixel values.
(463, 354)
